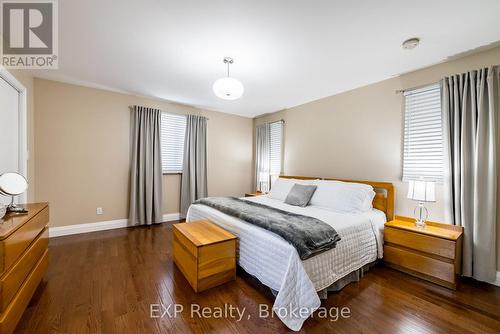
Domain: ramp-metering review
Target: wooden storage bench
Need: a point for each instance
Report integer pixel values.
(204, 253)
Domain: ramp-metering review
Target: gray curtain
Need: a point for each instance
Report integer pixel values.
(470, 113)
(145, 168)
(194, 173)
(262, 157)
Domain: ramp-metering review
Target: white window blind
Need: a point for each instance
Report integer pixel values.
(276, 142)
(173, 131)
(423, 135)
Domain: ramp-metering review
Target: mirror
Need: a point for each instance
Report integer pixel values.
(13, 184)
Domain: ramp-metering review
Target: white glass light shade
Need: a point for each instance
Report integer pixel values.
(423, 191)
(228, 88)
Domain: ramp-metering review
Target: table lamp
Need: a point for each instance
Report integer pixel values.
(421, 191)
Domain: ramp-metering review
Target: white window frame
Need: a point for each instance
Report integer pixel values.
(276, 128)
(23, 156)
(423, 147)
(178, 141)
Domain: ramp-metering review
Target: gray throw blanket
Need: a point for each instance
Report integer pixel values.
(309, 236)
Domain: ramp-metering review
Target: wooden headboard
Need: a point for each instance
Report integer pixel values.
(384, 197)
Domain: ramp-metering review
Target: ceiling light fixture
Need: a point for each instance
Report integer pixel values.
(228, 88)
(411, 43)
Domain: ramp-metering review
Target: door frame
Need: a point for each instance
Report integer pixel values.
(23, 127)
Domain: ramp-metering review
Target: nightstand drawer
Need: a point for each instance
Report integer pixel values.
(420, 242)
(420, 263)
(253, 194)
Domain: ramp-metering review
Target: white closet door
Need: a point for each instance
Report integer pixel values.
(9, 130)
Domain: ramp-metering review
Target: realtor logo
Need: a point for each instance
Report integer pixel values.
(29, 34)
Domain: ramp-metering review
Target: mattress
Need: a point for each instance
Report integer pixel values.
(277, 265)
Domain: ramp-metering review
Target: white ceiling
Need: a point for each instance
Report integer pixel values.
(287, 52)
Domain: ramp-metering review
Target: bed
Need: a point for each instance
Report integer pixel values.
(276, 263)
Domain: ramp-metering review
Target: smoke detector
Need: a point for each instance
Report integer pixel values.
(411, 43)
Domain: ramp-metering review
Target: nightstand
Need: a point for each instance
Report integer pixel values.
(253, 194)
(433, 253)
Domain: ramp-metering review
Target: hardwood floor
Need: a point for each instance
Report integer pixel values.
(105, 282)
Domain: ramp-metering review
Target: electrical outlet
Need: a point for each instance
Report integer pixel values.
(99, 211)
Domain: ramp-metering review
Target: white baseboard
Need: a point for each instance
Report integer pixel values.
(171, 216)
(497, 281)
(85, 228)
(59, 231)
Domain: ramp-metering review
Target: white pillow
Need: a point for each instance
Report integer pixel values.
(281, 187)
(345, 197)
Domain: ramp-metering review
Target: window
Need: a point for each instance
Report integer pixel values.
(268, 154)
(173, 130)
(275, 149)
(423, 135)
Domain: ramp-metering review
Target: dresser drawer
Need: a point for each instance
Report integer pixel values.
(420, 263)
(420, 242)
(15, 244)
(16, 275)
(11, 316)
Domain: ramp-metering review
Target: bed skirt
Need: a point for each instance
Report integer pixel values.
(354, 276)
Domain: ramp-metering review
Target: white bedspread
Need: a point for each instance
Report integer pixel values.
(277, 265)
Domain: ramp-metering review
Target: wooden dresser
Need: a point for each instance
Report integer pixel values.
(24, 258)
(205, 254)
(433, 253)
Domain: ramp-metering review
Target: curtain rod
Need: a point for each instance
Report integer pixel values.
(280, 120)
(495, 68)
(401, 91)
(170, 112)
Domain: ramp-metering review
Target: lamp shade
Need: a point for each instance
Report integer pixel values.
(422, 191)
(228, 88)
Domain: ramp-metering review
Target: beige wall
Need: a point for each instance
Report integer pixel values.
(82, 152)
(79, 138)
(359, 134)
